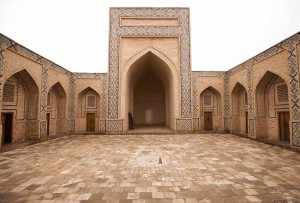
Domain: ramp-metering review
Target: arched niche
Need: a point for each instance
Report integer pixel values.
(272, 108)
(210, 110)
(88, 111)
(149, 90)
(20, 101)
(239, 101)
(56, 110)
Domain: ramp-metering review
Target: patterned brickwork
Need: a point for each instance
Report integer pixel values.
(196, 124)
(115, 125)
(103, 103)
(44, 98)
(195, 96)
(71, 107)
(226, 104)
(88, 75)
(184, 124)
(251, 130)
(116, 31)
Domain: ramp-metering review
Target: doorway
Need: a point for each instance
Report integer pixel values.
(247, 121)
(208, 121)
(90, 122)
(48, 123)
(7, 124)
(284, 128)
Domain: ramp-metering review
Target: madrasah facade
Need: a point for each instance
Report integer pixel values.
(150, 85)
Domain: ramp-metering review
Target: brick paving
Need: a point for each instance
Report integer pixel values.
(150, 168)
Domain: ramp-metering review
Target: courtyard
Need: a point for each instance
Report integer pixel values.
(150, 168)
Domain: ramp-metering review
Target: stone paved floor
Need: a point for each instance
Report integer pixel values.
(150, 168)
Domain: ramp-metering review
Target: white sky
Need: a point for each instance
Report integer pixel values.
(74, 33)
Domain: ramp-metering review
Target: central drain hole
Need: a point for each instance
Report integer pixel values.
(149, 160)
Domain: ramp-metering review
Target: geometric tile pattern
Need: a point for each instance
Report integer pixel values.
(71, 107)
(251, 126)
(227, 121)
(115, 125)
(196, 124)
(116, 31)
(296, 133)
(184, 124)
(195, 95)
(103, 107)
(44, 97)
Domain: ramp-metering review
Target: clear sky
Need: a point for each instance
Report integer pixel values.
(74, 33)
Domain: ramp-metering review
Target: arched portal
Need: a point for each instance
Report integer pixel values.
(149, 92)
(272, 104)
(88, 111)
(20, 108)
(56, 108)
(239, 109)
(210, 101)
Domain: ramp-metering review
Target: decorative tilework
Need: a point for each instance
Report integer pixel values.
(184, 124)
(116, 31)
(88, 75)
(103, 103)
(195, 95)
(296, 133)
(43, 128)
(71, 107)
(226, 104)
(115, 125)
(196, 124)
(251, 130)
(251, 127)
(209, 73)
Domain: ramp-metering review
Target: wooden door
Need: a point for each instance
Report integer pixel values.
(208, 123)
(284, 128)
(247, 120)
(90, 122)
(48, 123)
(7, 125)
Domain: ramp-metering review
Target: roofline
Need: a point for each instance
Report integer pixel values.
(36, 53)
(263, 51)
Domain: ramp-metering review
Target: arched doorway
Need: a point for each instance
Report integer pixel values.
(56, 108)
(150, 92)
(19, 114)
(239, 109)
(88, 111)
(272, 102)
(210, 115)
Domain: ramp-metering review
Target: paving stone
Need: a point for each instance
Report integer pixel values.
(196, 168)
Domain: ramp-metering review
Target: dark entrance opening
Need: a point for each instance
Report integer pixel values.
(48, 123)
(208, 121)
(284, 129)
(7, 123)
(246, 117)
(90, 122)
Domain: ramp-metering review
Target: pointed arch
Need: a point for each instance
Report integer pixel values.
(88, 102)
(210, 106)
(272, 99)
(20, 99)
(239, 110)
(152, 61)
